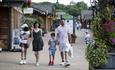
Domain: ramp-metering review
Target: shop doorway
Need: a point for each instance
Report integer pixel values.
(4, 27)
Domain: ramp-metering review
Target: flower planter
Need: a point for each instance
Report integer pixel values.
(73, 40)
(73, 37)
(111, 63)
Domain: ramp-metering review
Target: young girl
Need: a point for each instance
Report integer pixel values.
(24, 38)
(52, 49)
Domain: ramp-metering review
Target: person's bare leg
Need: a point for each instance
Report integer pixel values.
(49, 60)
(25, 53)
(66, 59)
(22, 57)
(37, 56)
(62, 56)
(49, 57)
(22, 53)
(53, 58)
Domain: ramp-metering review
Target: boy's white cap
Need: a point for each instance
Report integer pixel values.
(24, 25)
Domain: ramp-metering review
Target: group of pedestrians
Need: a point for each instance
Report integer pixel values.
(37, 41)
(61, 37)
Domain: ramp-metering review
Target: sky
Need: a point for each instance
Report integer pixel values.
(66, 2)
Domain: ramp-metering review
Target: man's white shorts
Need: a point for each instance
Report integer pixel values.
(64, 47)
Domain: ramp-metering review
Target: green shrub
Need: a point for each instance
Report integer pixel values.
(96, 54)
(30, 20)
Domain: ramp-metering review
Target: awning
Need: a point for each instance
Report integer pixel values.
(13, 2)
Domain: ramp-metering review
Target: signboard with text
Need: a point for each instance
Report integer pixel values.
(28, 10)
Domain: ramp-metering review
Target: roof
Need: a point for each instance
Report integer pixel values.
(12, 2)
(43, 8)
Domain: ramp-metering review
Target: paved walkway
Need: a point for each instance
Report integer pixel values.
(10, 60)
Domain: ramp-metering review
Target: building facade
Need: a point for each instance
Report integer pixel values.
(47, 12)
(11, 17)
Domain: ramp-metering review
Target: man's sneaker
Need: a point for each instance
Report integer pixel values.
(37, 64)
(67, 64)
(21, 62)
(62, 63)
(24, 62)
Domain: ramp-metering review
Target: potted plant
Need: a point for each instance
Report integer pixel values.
(73, 37)
(96, 54)
(104, 32)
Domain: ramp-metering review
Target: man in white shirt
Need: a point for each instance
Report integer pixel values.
(63, 36)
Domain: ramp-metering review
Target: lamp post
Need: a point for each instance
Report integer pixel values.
(93, 6)
(73, 24)
(46, 13)
(57, 2)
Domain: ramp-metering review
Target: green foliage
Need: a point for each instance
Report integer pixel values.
(30, 20)
(76, 9)
(67, 17)
(73, 10)
(96, 54)
(61, 7)
(96, 27)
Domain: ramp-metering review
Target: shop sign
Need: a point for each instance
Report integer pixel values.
(28, 10)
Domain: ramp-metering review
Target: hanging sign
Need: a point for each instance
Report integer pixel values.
(28, 10)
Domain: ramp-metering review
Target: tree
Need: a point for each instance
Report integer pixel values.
(60, 7)
(76, 9)
(73, 9)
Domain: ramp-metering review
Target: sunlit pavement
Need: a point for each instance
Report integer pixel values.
(10, 60)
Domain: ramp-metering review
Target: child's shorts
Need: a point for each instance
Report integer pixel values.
(24, 45)
(52, 51)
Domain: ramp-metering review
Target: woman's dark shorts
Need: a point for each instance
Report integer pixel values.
(24, 45)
